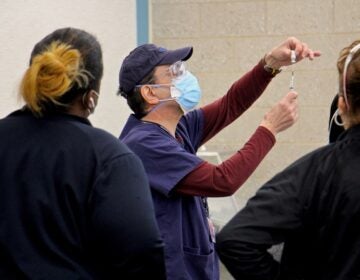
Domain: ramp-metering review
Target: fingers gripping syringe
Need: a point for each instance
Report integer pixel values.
(293, 60)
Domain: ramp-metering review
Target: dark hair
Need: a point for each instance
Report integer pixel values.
(352, 78)
(135, 100)
(63, 65)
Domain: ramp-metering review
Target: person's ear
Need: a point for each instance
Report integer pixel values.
(93, 98)
(91, 103)
(341, 105)
(149, 95)
(89, 100)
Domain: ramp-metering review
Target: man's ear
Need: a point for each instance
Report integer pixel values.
(149, 95)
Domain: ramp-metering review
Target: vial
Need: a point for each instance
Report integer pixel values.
(293, 56)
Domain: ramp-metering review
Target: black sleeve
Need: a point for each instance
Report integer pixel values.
(125, 232)
(271, 215)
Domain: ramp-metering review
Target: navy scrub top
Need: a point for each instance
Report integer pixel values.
(182, 220)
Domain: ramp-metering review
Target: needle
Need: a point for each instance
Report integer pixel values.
(292, 81)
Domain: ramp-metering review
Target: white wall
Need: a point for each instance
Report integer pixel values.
(25, 22)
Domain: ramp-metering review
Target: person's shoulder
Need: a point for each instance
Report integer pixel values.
(192, 115)
(108, 139)
(15, 115)
(146, 134)
(105, 144)
(318, 155)
(322, 151)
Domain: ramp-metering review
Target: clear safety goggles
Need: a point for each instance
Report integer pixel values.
(177, 69)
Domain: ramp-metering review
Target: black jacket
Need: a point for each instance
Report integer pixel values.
(74, 203)
(313, 206)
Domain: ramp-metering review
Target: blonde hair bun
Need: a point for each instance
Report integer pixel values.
(51, 74)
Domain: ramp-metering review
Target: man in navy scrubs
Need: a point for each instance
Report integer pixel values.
(165, 132)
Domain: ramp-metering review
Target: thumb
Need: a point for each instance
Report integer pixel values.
(291, 96)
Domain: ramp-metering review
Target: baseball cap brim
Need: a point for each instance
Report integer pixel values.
(143, 59)
(175, 55)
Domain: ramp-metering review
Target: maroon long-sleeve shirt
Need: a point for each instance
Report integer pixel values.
(224, 179)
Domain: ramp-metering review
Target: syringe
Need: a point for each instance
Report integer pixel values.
(293, 60)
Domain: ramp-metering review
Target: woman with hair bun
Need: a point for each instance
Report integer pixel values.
(75, 202)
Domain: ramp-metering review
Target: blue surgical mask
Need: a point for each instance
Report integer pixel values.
(186, 91)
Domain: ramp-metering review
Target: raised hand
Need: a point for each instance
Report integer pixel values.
(281, 55)
(283, 115)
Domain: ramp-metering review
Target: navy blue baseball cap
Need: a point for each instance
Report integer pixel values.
(142, 60)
